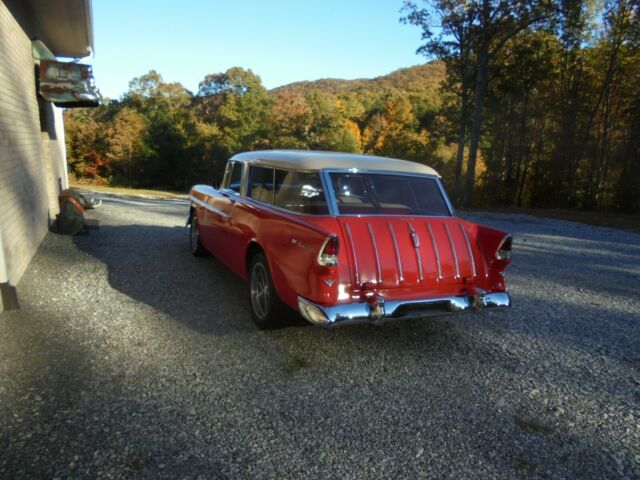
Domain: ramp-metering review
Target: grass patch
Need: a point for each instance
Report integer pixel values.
(133, 192)
(532, 425)
(294, 364)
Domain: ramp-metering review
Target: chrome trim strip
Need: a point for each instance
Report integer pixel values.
(446, 197)
(375, 251)
(300, 244)
(398, 259)
(435, 249)
(472, 257)
(208, 207)
(329, 193)
(372, 170)
(453, 249)
(380, 310)
(273, 182)
(243, 180)
(416, 244)
(353, 252)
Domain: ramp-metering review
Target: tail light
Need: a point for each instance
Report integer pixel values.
(328, 256)
(504, 249)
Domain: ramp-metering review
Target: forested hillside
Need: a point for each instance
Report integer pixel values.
(159, 134)
(538, 107)
(419, 79)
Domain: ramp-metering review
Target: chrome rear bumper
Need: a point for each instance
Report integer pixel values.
(378, 310)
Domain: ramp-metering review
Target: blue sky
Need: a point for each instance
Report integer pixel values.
(283, 41)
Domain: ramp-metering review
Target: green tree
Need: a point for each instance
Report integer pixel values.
(126, 146)
(165, 106)
(239, 105)
(290, 120)
(478, 31)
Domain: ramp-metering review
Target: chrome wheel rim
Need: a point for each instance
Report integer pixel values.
(259, 290)
(194, 235)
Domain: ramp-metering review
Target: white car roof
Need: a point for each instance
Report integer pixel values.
(316, 160)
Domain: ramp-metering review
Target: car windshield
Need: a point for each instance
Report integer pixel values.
(387, 194)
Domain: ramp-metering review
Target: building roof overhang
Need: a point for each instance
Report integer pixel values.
(64, 26)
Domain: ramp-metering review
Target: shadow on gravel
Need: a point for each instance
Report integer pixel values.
(416, 398)
(453, 390)
(153, 265)
(64, 418)
(68, 419)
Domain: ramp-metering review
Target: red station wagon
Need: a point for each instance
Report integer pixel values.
(346, 239)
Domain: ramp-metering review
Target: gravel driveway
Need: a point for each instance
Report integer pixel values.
(132, 359)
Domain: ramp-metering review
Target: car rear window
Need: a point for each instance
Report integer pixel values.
(300, 192)
(388, 194)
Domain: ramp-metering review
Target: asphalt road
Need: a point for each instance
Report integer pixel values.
(132, 359)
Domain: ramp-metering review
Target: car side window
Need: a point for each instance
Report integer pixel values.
(233, 177)
(260, 186)
(300, 192)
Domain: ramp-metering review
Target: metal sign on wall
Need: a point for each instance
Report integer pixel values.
(68, 85)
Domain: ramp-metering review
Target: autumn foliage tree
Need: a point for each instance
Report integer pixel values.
(523, 102)
(550, 101)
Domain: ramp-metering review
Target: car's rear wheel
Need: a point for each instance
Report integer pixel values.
(266, 307)
(194, 235)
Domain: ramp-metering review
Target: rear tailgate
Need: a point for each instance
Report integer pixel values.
(390, 252)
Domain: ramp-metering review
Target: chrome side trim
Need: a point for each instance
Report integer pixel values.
(329, 193)
(446, 197)
(353, 252)
(435, 249)
(377, 311)
(416, 245)
(472, 257)
(302, 245)
(372, 170)
(375, 251)
(208, 207)
(453, 249)
(398, 259)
